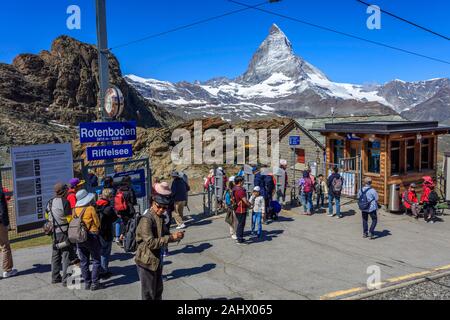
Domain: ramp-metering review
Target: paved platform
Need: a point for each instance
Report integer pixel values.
(300, 257)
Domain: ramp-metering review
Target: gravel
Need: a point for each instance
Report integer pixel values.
(437, 289)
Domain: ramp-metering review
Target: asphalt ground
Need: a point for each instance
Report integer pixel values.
(299, 257)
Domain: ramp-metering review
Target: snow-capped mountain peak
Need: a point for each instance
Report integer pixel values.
(278, 82)
(276, 55)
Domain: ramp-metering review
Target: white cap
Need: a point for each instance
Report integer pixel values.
(232, 178)
(220, 168)
(257, 189)
(283, 162)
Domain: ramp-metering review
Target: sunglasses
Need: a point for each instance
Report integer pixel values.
(161, 206)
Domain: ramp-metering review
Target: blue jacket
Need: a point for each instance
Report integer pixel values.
(179, 190)
(259, 182)
(372, 197)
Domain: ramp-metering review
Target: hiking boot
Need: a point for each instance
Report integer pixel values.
(234, 237)
(365, 235)
(87, 286)
(56, 281)
(371, 237)
(9, 274)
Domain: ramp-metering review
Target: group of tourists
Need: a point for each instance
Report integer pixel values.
(84, 225)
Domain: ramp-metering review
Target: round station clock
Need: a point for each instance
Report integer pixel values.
(114, 102)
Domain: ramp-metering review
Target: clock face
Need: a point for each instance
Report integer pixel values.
(113, 102)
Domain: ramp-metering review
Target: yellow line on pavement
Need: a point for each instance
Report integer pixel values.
(340, 293)
(336, 294)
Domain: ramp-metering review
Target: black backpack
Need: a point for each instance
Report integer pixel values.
(129, 242)
(433, 198)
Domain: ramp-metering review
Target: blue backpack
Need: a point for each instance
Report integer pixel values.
(363, 202)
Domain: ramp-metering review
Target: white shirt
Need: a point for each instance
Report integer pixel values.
(258, 204)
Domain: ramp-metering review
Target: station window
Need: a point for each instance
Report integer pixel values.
(373, 156)
(410, 155)
(426, 152)
(395, 158)
(338, 150)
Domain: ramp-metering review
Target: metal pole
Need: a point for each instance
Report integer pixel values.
(103, 69)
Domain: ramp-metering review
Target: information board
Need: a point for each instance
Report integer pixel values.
(36, 169)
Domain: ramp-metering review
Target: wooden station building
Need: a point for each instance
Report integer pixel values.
(392, 152)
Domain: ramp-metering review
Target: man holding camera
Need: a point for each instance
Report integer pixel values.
(58, 209)
(152, 235)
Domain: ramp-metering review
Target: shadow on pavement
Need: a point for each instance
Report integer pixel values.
(37, 268)
(180, 273)
(188, 249)
(121, 256)
(382, 234)
(128, 275)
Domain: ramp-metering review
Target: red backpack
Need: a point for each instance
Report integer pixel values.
(308, 185)
(120, 204)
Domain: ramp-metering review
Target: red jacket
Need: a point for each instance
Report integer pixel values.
(426, 190)
(411, 197)
(5, 191)
(72, 198)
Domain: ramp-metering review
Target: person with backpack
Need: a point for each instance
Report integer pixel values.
(124, 202)
(57, 211)
(270, 186)
(368, 204)
(410, 201)
(229, 205)
(108, 217)
(306, 187)
(258, 181)
(180, 191)
(152, 235)
(240, 205)
(5, 248)
(335, 183)
(321, 191)
(429, 199)
(84, 230)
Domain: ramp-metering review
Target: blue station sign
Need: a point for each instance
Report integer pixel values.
(137, 180)
(294, 140)
(107, 131)
(109, 152)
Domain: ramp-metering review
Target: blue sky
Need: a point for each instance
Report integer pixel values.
(224, 47)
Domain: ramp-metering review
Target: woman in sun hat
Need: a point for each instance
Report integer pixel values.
(89, 250)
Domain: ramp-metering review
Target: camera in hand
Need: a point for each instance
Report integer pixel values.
(62, 245)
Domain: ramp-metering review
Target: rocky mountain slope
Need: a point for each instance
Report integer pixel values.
(435, 108)
(278, 82)
(42, 96)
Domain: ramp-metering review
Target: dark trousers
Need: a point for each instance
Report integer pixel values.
(241, 218)
(60, 259)
(90, 251)
(320, 200)
(365, 217)
(429, 212)
(151, 283)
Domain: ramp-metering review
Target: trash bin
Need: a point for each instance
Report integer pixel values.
(394, 198)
